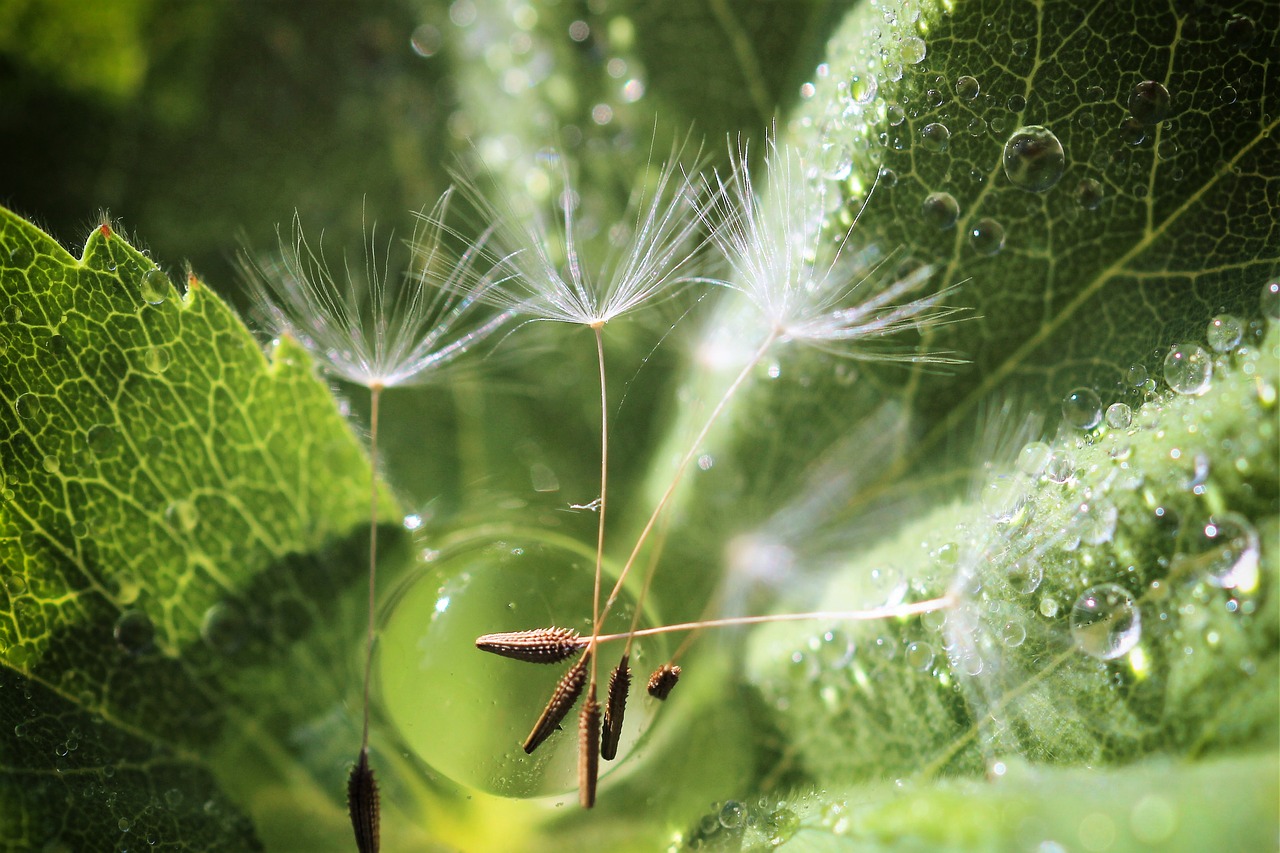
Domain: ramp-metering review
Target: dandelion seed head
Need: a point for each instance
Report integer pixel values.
(368, 327)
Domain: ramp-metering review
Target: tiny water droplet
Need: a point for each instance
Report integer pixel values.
(1034, 158)
(1269, 300)
(134, 632)
(1082, 408)
(936, 137)
(1227, 551)
(156, 359)
(1048, 607)
(1136, 376)
(913, 50)
(987, 236)
(1225, 332)
(1149, 102)
(732, 814)
(1097, 522)
(1013, 634)
(155, 286)
(51, 464)
(1119, 416)
(896, 115)
(103, 440)
(1188, 369)
(1025, 576)
(183, 513)
(223, 628)
(940, 209)
(1089, 194)
(919, 656)
(967, 88)
(1105, 624)
(27, 406)
(1033, 458)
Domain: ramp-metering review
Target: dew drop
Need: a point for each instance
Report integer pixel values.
(1119, 416)
(1016, 103)
(27, 406)
(1149, 102)
(987, 236)
(732, 814)
(123, 824)
(940, 210)
(51, 464)
(888, 177)
(967, 88)
(173, 798)
(1097, 522)
(1034, 158)
(1003, 497)
(103, 440)
(936, 137)
(1269, 300)
(919, 656)
(1226, 551)
(156, 359)
(155, 286)
(896, 115)
(1013, 634)
(1033, 458)
(1188, 369)
(11, 314)
(426, 41)
(1082, 408)
(1105, 624)
(223, 628)
(1239, 31)
(913, 50)
(1136, 375)
(183, 513)
(1025, 576)
(134, 632)
(1225, 332)
(863, 88)
(1132, 131)
(1089, 194)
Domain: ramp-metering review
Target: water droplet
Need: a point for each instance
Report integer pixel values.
(27, 406)
(123, 824)
(976, 126)
(987, 236)
(1225, 332)
(863, 88)
(1089, 194)
(1269, 300)
(1097, 522)
(426, 41)
(1149, 102)
(173, 798)
(1153, 820)
(223, 628)
(1132, 131)
(913, 50)
(967, 88)
(183, 513)
(1082, 408)
(103, 440)
(1105, 624)
(1048, 607)
(1136, 376)
(1060, 468)
(156, 359)
(1016, 103)
(51, 464)
(1119, 416)
(896, 115)
(1228, 95)
(732, 814)
(1239, 31)
(1002, 497)
(888, 177)
(940, 210)
(919, 656)
(11, 314)
(155, 286)
(1013, 634)
(936, 137)
(1226, 551)
(134, 632)
(1188, 369)
(1025, 576)
(1034, 158)
(1033, 458)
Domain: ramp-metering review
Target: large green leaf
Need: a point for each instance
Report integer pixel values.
(159, 471)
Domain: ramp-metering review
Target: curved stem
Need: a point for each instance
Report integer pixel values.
(375, 397)
(604, 488)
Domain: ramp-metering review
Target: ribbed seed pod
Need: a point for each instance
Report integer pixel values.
(662, 681)
(362, 803)
(562, 699)
(614, 709)
(539, 645)
(588, 752)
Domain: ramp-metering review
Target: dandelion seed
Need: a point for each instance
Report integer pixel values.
(540, 645)
(562, 700)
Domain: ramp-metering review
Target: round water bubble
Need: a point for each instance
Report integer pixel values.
(1089, 194)
(1082, 408)
(1227, 551)
(134, 632)
(913, 50)
(1105, 622)
(155, 286)
(1269, 300)
(967, 88)
(1149, 102)
(1034, 158)
(1188, 369)
(940, 210)
(1225, 332)
(466, 713)
(987, 236)
(1119, 416)
(935, 137)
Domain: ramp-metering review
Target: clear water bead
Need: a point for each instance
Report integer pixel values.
(1082, 408)
(1225, 332)
(1034, 158)
(1188, 369)
(1105, 623)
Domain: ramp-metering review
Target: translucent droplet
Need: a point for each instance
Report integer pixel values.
(1269, 301)
(1149, 102)
(1239, 31)
(173, 798)
(1060, 468)
(1024, 576)
(182, 513)
(936, 137)
(1226, 551)
(1105, 624)
(1082, 408)
(103, 440)
(51, 464)
(913, 50)
(1033, 458)
(1089, 194)
(887, 177)
(155, 286)
(919, 656)
(1136, 376)
(28, 406)
(223, 628)
(123, 824)
(1097, 522)
(732, 814)
(134, 632)
(863, 88)
(1034, 158)
(940, 210)
(1225, 332)
(1048, 607)
(1002, 497)
(967, 88)
(426, 41)
(156, 359)
(1013, 634)
(1188, 369)
(896, 115)
(987, 236)
(1016, 103)
(1119, 416)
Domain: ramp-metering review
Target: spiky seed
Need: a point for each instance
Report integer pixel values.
(588, 752)
(615, 708)
(539, 645)
(662, 681)
(562, 699)
(362, 803)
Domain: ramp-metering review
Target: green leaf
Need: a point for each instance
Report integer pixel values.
(158, 471)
